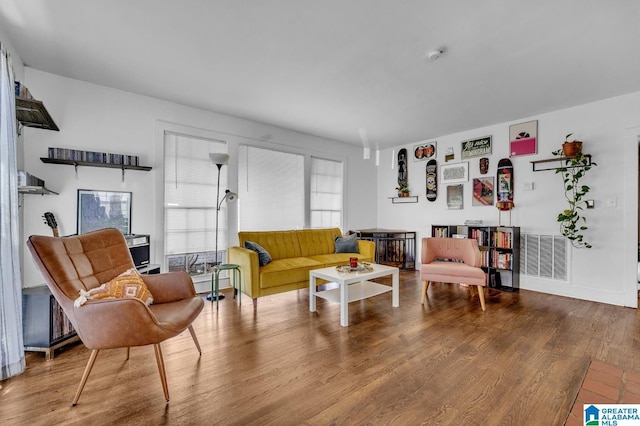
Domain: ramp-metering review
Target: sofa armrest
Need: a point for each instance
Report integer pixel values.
(367, 248)
(248, 262)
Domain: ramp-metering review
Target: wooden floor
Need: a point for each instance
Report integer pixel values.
(520, 362)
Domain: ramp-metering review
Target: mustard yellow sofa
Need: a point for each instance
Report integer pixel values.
(294, 254)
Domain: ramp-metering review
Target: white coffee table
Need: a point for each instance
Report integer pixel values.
(353, 286)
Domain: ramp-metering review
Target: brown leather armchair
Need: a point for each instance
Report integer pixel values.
(86, 261)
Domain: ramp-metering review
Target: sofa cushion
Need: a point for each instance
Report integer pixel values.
(279, 244)
(263, 256)
(287, 271)
(347, 244)
(317, 241)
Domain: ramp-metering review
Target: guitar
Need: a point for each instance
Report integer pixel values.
(50, 220)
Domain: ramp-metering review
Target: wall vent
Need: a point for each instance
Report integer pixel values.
(543, 256)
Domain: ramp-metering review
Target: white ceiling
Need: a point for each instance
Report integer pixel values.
(333, 67)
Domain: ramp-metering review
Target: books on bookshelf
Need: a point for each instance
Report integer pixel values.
(502, 239)
(61, 326)
(92, 156)
(27, 179)
(22, 91)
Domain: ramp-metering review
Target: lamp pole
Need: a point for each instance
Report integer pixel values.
(218, 296)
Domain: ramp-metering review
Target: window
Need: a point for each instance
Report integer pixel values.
(271, 192)
(325, 195)
(190, 184)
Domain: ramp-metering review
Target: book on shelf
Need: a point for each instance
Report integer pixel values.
(22, 91)
(92, 156)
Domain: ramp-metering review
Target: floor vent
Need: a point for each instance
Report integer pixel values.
(543, 256)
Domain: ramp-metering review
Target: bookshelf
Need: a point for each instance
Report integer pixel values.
(45, 326)
(499, 250)
(32, 113)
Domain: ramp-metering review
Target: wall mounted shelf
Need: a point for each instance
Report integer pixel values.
(548, 164)
(39, 190)
(32, 113)
(76, 164)
(404, 200)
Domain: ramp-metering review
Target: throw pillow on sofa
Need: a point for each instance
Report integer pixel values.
(263, 256)
(347, 244)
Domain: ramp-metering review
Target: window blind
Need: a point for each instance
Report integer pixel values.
(190, 183)
(271, 192)
(326, 193)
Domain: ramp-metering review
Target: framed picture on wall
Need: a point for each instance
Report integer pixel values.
(455, 197)
(454, 173)
(523, 138)
(424, 151)
(103, 209)
(482, 192)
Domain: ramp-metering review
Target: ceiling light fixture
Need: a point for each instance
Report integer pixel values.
(435, 54)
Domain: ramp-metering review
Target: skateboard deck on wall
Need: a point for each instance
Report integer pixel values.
(403, 175)
(432, 180)
(505, 185)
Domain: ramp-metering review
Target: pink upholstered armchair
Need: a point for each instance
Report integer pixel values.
(452, 260)
(84, 262)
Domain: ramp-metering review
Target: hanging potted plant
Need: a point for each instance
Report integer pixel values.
(572, 147)
(574, 168)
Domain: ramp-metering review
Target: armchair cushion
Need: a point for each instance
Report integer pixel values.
(127, 284)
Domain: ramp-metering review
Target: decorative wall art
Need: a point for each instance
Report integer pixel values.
(455, 197)
(482, 192)
(452, 173)
(424, 151)
(403, 172)
(476, 147)
(103, 209)
(449, 155)
(523, 138)
(484, 165)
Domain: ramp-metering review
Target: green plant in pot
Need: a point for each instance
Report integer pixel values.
(571, 147)
(403, 190)
(572, 221)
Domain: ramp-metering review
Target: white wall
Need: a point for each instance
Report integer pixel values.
(605, 273)
(97, 118)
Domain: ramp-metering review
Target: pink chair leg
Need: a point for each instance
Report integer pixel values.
(425, 287)
(481, 295)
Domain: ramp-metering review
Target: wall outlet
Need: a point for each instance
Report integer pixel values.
(590, 204)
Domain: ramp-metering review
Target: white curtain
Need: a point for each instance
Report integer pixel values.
(11, 344)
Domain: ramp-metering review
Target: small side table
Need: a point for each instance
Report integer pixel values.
(215, 280)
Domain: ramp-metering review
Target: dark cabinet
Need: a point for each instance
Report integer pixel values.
(45, 326)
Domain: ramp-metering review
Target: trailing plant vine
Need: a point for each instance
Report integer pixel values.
(572, 221)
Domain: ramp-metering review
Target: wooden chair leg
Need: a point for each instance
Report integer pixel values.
(425, 287)
(85, 375)
(195, 339)
(163, 375)
(481, 295)
(128, 352)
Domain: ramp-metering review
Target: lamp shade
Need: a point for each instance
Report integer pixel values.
(230, 196)
(219, 158)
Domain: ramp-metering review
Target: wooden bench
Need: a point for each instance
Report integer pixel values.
(452, 260)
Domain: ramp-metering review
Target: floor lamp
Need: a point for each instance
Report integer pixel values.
(220, 159)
